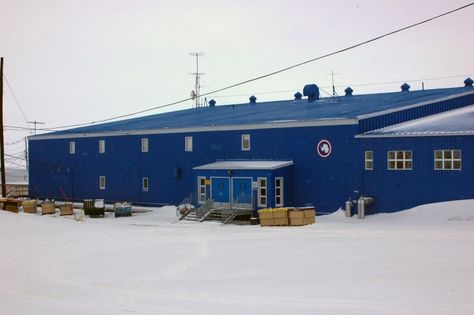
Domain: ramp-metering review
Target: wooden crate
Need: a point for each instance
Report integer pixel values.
(48, 207)
(66, 209)
(29, 206)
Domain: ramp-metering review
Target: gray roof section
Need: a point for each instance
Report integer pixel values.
(245, 165)
(452, 123)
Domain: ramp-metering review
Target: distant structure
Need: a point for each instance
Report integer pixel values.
(402, 149)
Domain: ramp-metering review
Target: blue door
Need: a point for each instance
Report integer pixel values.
(220, 188)
(242, 191)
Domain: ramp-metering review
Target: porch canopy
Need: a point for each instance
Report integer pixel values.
(245, 165)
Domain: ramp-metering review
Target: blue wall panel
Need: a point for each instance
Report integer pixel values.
(324, 182)
(395, 190)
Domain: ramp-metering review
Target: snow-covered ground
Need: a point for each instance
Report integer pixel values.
(420, 261)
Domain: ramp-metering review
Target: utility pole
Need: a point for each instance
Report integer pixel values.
(196, 93)
(2, 142)
(36, 123)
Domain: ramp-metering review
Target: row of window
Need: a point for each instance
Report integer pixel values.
(403, 160)
(144, 183)
(188, 144)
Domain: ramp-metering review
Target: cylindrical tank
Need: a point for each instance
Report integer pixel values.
(348, 208)
(361, 208)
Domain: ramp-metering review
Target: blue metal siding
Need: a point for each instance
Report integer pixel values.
(393, 118)
(395, 190)
(324, 182)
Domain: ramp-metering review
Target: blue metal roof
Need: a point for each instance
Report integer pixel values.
(455, 122)
(340, 107)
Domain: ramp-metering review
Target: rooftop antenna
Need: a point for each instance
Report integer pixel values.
(195, 94)
(332, 74)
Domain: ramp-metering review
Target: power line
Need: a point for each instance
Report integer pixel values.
(16, 100)
(277, 71)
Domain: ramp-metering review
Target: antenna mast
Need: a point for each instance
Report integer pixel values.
(332, 74)
(195, 94)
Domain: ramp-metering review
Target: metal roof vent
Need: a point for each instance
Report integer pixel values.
(253, 99)
(212, 103)
(311, 91)
(298, 96)
(405, 87)
(468, 82)
(348, 91)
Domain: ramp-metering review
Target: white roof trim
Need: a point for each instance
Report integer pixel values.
(244, 165)
(394, 110)
(269, 125)
(418, 134)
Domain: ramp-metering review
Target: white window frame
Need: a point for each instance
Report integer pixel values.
(369, 160)
(444, 160)
(101, 146)
(145, 183)
(281, 194)
(72, 147)
(245, 139)
(188, 144)
(102, 182)
(261, 189)
(202, 189)
(400, 160)
(144, 145)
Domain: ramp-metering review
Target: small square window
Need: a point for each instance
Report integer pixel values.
(102, 182)
(245, 142)
(145, 183)
(399, 160)
(447, 160)
(144, 144)
(72, 147)
(101, 146)
(188, 144)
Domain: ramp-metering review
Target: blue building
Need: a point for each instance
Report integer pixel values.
(403, 149)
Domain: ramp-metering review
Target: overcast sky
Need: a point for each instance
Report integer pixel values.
(74, 61)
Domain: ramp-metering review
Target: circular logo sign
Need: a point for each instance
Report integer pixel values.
(324, 148)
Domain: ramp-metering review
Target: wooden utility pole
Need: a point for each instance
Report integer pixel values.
(2, 142)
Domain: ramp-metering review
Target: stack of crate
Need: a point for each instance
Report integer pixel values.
(302, 216)
(273, 217)
(287, 216)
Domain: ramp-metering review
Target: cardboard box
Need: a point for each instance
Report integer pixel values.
(266, 222)
(280, 221)
(66, 209)
(297, 221)
(296, 214)
(48, 208)
(309, 220)
(265, 215)
(280, 214)
(29, 206)
(309, 213)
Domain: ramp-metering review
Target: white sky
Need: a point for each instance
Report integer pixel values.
(79, 61)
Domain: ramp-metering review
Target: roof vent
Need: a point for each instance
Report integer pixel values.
(311, 91)
(212, 103)
(405, 87)
(468, 82)
(253, 99)
(298, 96)
(348, 91)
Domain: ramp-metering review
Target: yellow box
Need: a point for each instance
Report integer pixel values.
(309, 220)
(309, 213)
(297, 221)
(266, 222)
(280, 214)
(281, 221)
(296, 214)
(265, 215)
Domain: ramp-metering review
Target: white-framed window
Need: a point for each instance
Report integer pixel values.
(278, 191)
(101, 182)
(262, 191)
(369, 160)
(202, 189)
(145, 183)
(72, 147)
(447, 160)
(144, 144)
(101, 146)
(245, 142)
(188, 144)
(400, 160)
